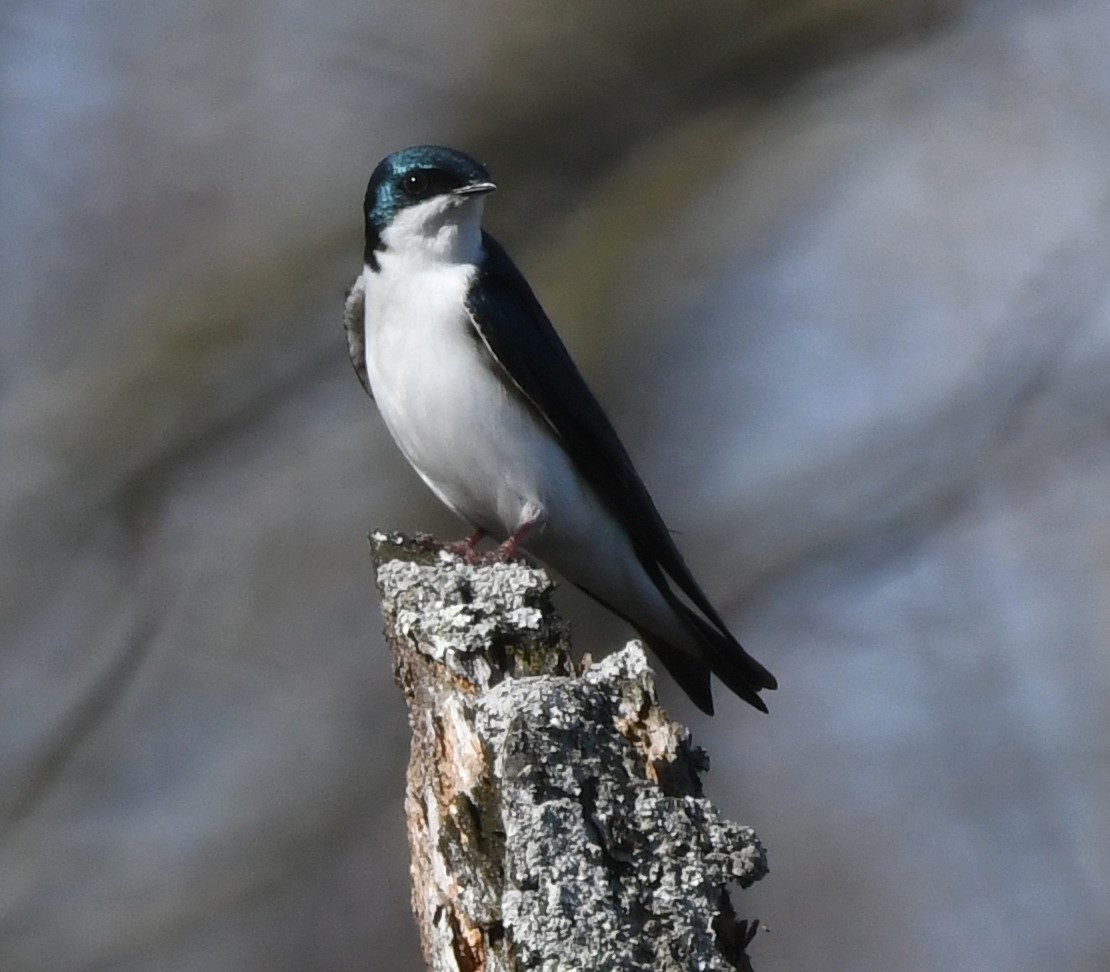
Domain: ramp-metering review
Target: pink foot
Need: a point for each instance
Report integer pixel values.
(507, 550)
(460, 548)
(466, 548)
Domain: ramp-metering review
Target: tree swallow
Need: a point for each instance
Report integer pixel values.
(486, 404)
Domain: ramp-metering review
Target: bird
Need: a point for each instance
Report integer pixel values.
(486, 404)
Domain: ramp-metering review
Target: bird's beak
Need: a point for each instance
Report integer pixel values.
(474, 189)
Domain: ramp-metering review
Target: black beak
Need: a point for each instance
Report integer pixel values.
(474, 189)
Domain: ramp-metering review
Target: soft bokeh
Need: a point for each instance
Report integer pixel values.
(840, 269)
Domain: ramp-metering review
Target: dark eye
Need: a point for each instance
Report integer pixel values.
(415, 184)
(425, 183)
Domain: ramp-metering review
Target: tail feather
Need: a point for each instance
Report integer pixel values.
(719, 651)
(691, 673)
(728, 661)
(716, 652)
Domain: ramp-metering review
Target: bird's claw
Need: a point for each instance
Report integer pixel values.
(467, 549)
(459, 548)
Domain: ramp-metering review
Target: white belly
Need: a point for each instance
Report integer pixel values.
(481, 448)
(471, 438)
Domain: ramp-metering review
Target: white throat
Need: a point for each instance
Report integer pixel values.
(443, 230)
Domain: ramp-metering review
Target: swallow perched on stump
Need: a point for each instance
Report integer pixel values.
(484, 401)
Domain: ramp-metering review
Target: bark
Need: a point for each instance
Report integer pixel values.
(555, 815)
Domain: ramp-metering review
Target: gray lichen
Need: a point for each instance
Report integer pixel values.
(556, 817)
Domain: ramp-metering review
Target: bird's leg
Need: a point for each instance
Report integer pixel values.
(460, 548)
(531, 519)
(465, 548)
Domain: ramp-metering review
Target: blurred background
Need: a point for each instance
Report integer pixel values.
(840, 272)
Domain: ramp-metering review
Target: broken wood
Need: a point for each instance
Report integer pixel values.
(555, 817)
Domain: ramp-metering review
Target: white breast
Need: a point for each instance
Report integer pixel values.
(469, 436)
(477, 443)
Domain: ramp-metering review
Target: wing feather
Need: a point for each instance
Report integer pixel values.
(354, 323)
(518, 334)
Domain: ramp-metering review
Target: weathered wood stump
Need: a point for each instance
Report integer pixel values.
(555, 816)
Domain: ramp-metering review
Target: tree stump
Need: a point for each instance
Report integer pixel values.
(555, 816)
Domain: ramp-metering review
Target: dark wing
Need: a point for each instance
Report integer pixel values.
(354, 323)
(514, 327)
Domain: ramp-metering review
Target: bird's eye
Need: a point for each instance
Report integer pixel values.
(415, 183)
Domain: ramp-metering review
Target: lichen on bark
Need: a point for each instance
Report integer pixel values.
(556, 818)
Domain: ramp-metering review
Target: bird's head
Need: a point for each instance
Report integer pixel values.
(425, 202)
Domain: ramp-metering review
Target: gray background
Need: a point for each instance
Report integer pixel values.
(839, 269)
